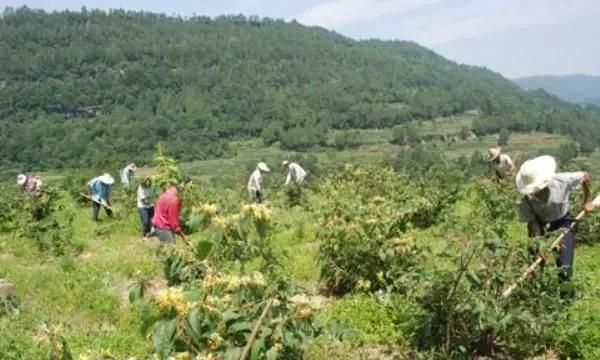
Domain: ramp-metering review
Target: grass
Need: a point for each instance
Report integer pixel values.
(89, 290)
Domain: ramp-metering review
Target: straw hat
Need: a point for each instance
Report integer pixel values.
(262, 167)
(493, 153)
(21, 179)
(285, 163)
(535, 174)
(106, 179)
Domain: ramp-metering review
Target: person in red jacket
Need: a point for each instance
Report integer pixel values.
(166, 219)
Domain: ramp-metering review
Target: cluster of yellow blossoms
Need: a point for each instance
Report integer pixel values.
(257, 211)
(172, 298)
(233, 282)
(206, 209)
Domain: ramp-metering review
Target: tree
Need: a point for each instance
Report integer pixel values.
(503, 137)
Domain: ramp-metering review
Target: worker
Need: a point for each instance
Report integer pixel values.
(127, 174)
(145, 206)
(31, 185)
(296, 174)
(501, 163)
(255, 188)
(166, 218)
(545, 204)
(99, 190)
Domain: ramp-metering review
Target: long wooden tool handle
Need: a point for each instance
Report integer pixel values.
(556, 244)
(98, 202)
(255, 330)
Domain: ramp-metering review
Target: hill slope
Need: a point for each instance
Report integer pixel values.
(92, 88)
(574, 88)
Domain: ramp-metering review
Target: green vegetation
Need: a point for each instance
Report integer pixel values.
(102, 88)
(410, 263)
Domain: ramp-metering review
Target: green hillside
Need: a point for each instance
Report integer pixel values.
(97, 88)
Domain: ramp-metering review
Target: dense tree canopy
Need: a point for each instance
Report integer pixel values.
(83, 88)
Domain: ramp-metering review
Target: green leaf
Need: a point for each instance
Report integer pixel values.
(230, 315)
(195, 322)
(164, 333)
(203, 249)
(257, 347)
(240, 326)
(272, 354)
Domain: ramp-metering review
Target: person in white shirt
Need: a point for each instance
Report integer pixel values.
(127, 174)
(296, 174)
(502, 163)
(255, 188)
(145, 206)
(545, 204)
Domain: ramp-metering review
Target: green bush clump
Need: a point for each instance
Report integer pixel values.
(367, 320)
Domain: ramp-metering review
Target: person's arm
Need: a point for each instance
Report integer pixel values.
(175, 221)
(587, 192)
(511, 165)
(288, 178)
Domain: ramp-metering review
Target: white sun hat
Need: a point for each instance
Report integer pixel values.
(535, 174)
(285, 163)
(132, 166)
(493, 153)
(21, 179)
(106, 179)
(263, 167)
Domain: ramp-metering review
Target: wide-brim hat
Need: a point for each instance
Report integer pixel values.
(493, 153)
(106, 179)
(263, 167)
(535, 174)
(285, 163)
(21, 179)
(132, 166)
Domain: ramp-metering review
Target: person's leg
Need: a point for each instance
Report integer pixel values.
(259, 197)
(95, 210)
(567, 256)
(143, 220)
(165, 236)
(150, 215)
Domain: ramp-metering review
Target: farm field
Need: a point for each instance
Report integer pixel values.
(327, 247)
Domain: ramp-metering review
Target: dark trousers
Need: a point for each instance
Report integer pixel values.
(146, 215)
(566, 255)
(566, 252)
(96, 211)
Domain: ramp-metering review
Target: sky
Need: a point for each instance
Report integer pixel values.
(514, 37)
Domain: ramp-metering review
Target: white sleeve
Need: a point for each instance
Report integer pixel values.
(573, 179)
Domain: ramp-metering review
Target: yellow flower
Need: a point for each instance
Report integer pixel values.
(257, 211)
(303, 312)
(258, 279)
(363, 284)
(170, 299)
(215, 341)
(208, 209)
(208, 356)
(219, 222)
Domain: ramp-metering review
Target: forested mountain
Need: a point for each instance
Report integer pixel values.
(85, 88)
(583, 89)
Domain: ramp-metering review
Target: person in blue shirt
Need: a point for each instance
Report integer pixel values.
(100, 189)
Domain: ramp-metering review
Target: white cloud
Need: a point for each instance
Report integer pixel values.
(335, 13)
(507, 15)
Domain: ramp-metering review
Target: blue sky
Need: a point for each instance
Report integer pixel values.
(513, 37)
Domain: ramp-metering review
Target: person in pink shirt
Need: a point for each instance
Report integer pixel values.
(166, 220)
(31, 185)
